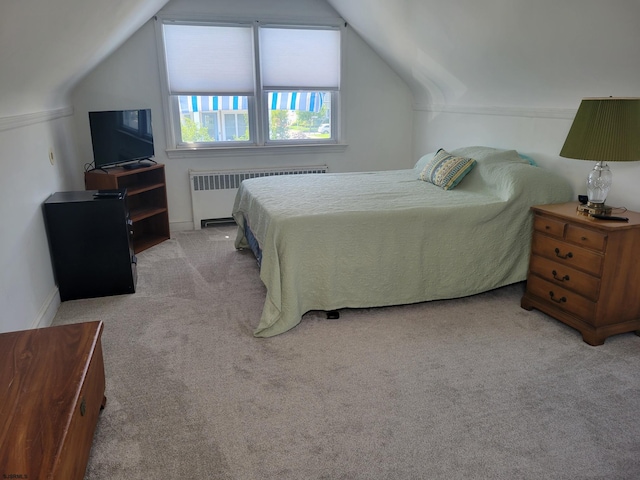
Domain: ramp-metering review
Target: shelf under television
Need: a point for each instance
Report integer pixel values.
(139, 214)
(143, 188)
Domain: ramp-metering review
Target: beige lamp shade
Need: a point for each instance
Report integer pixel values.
(605, 130)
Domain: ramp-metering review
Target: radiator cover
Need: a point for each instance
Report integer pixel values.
(213, 192)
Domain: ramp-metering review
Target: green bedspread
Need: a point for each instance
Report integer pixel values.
(332, 241)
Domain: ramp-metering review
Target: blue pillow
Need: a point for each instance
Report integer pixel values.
(528, 159)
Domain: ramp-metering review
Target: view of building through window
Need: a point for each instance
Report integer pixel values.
(299, 115)
(291, 116)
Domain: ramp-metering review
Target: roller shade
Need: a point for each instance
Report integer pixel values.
(202, 59)
(301, 58)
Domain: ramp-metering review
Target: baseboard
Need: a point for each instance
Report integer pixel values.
(187, 226)
(48, 310)
(180, 226)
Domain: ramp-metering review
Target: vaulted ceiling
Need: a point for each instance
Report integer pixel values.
(539, 53)
(542, 53)
(47, 45)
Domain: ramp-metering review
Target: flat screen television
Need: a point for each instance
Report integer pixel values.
(121, 137)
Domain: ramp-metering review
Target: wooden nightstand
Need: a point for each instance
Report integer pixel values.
(585, 272)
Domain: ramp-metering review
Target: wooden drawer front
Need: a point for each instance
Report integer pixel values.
(549, 226)
(567, 254)
(44, 375)
(561, 298)
(586, 238)
(566, 277)
(74, 456)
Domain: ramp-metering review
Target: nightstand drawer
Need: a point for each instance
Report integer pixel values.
(566, 277)
(561, 298)
(567, 254)
(586, 238)
(549, 226)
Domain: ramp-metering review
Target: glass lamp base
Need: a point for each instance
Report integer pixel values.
(599, 183)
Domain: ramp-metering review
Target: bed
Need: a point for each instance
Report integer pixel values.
(370, 239)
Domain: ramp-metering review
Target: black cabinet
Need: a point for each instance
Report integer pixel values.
(90, 241)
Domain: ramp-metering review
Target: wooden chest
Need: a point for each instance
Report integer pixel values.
(52, 387)
(585, 272)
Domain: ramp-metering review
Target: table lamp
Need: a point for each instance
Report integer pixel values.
(603, 130)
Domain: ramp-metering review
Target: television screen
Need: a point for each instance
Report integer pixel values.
(121, 136)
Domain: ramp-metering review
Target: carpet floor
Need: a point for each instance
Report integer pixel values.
(472, 388)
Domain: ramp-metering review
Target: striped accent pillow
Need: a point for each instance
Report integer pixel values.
(445, 170)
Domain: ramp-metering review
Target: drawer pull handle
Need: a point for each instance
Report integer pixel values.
(568, 255)
(559, 300)
(561, 279)
(83, 406)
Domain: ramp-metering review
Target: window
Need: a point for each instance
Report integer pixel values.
(251, 84)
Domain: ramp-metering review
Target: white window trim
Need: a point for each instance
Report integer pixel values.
(262, 147)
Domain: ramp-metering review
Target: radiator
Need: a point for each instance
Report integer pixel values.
(213, 193)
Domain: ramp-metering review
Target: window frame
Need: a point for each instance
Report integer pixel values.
(258, 111)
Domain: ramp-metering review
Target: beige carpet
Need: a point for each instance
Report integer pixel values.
(475, 388)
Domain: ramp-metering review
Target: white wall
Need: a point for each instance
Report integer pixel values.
(522, 53)
(508, 73)
(539, 133)
(28, 295)
(377, 111)
(45, 47)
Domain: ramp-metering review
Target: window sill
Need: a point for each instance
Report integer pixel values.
(255, 150)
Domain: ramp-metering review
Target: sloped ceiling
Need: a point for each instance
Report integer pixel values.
(542, 53)
(524, 53)
(47, 45)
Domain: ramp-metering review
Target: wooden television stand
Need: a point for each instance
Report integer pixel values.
(52, 387)
(146, 199)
